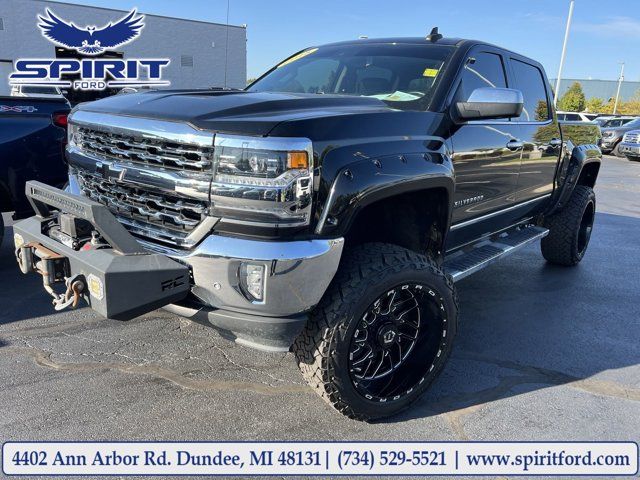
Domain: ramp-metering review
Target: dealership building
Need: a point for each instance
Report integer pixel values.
(202, 54)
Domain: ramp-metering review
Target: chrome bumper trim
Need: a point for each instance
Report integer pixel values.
(298, 272)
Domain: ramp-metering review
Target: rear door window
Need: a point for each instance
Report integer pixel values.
(529, 80)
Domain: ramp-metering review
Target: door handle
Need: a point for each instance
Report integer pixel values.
(555, 142)
(515, 145)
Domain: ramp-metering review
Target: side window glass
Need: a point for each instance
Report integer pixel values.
(528, 79)
(482, 69)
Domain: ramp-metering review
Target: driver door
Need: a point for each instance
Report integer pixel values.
(486, 153)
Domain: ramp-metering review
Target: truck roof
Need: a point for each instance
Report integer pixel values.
(407, 40)
(448, 41)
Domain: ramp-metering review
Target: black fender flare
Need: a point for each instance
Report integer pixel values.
(369, 180)
(569, 173)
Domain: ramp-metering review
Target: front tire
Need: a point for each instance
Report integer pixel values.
(381, 334)
(570, 229)
(616, 151)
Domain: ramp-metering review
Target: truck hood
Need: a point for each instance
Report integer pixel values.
(616, 131)
(234, 111)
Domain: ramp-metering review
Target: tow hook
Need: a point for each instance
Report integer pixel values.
(54, 269)
(71, 297)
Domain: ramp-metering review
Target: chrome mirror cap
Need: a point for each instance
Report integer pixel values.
(491, 103)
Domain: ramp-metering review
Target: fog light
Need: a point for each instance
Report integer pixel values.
(252, 280)
(18, 241)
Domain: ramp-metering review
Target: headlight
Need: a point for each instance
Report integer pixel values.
(72, 133)
(607, 134)
(262, 181)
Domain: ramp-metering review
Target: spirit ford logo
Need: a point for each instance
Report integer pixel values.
(94, 73)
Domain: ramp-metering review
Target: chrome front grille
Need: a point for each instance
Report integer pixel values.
(632, 138)
(154, 175)
(152, 152)
(155, 215)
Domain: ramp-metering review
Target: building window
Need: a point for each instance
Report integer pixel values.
(186, 61)
(1, 24)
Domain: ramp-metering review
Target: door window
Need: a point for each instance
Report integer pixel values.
(566, 117)
(529, 80)
(482, 69)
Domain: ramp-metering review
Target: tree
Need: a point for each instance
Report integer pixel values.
(631, 107)
(251, 80)
(595, 105)
(573, 100)
(542, 111)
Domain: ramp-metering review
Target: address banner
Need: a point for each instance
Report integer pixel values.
(320, 458)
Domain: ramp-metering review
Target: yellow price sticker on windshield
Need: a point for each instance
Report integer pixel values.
(298, 57)
(430, 72)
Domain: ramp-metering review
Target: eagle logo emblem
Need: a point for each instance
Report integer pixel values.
(91, 40)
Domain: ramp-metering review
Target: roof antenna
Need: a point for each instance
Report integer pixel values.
(434, 36)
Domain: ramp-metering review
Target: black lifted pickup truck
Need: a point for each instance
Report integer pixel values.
(327, 209)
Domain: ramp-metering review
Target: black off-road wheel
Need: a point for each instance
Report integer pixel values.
(570, 229)
(381, 334)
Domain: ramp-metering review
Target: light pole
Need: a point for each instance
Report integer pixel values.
(564, 51)
(620, 80)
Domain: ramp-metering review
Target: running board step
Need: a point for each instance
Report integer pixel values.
(470, 259)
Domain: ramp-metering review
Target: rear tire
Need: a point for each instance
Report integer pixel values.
(570, 229)
(381, 334)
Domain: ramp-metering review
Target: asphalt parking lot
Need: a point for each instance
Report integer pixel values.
(542, 352)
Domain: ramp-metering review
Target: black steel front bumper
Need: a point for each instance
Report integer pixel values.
(119, 280)
(131, 277)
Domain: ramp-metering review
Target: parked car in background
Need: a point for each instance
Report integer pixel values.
(33, 91)
(600, 121)
(630, 145)
(616, 122)
(32, 140)
(576, 116)
(612, 136)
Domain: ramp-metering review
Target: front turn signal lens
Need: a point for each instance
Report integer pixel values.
(298, 160)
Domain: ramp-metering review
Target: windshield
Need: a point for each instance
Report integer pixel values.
(403, 76)
(634, 124)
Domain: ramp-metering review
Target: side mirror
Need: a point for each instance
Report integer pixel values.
(491, 103)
